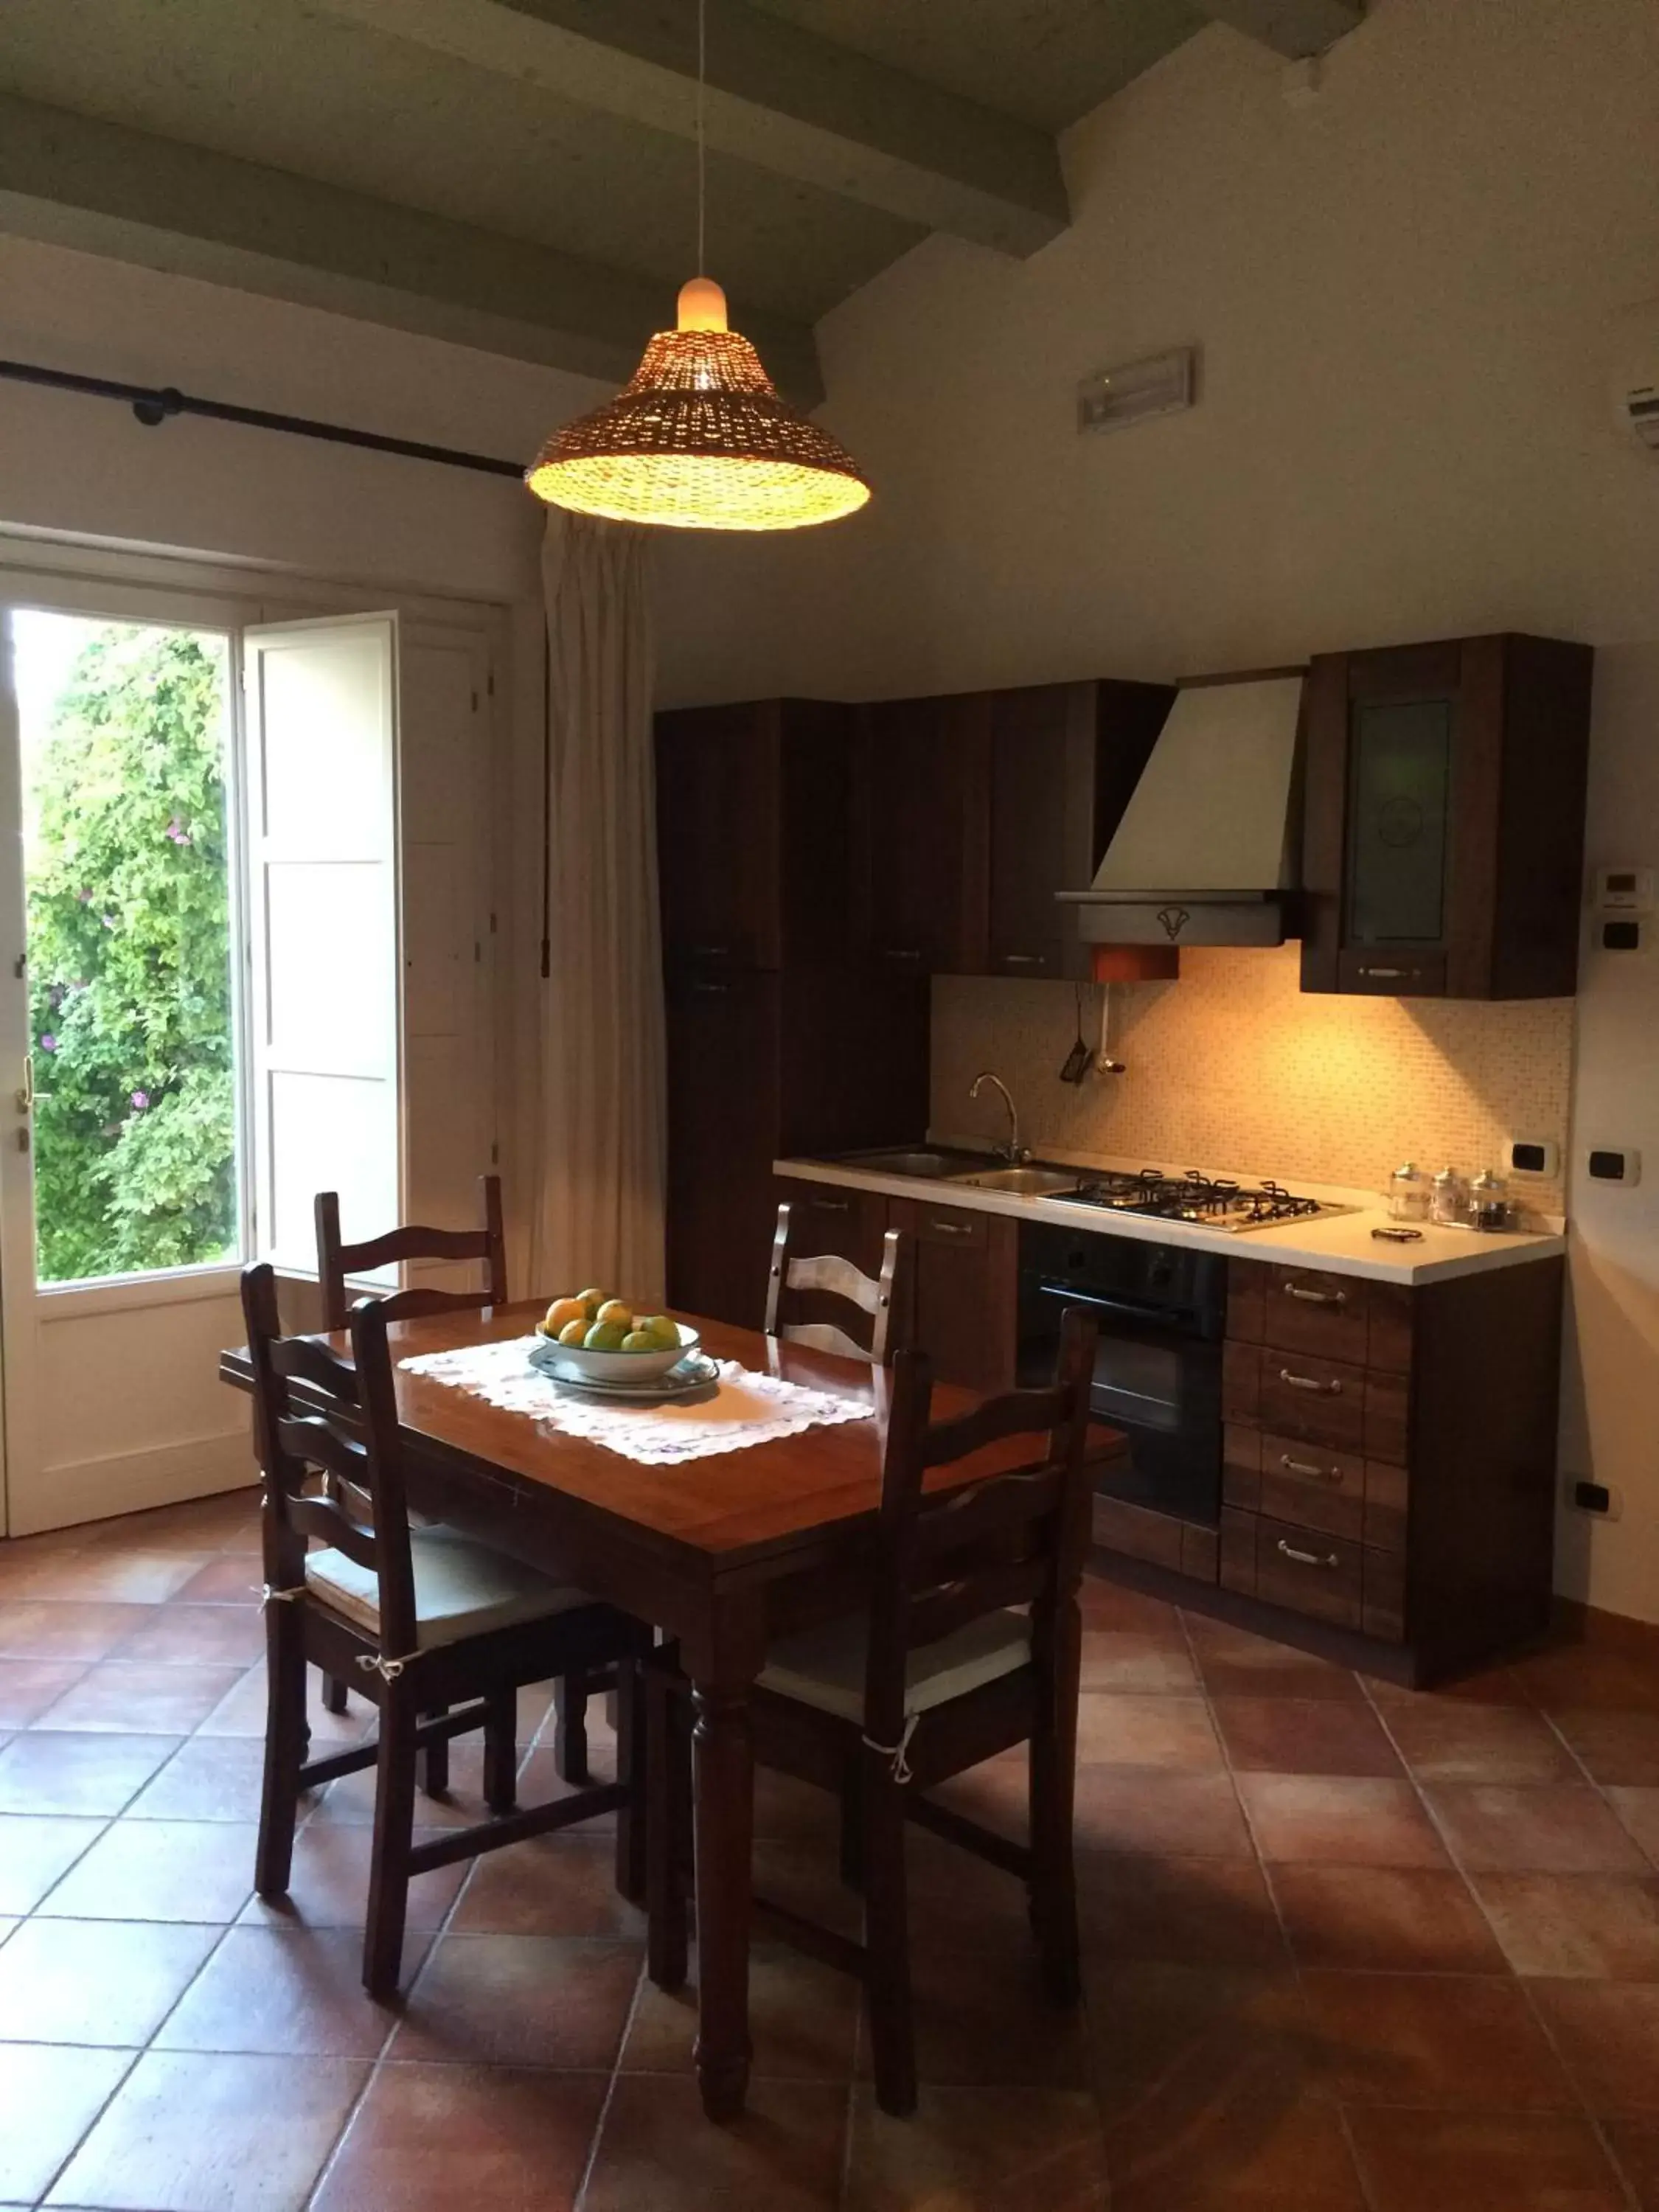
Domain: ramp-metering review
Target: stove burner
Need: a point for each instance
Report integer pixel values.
(1215, 1201)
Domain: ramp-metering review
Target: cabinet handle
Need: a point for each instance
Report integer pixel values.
(900, 952)
(1022, 959)
(953, 1228)
(832, 1204)
(1307, 1466)
(1315, 1297)
(712, 990)
(1332, 1389)
(1308, 1559)
(710, 951)
(1387, 974)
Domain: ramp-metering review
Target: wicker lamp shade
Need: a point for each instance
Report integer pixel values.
(699, 440)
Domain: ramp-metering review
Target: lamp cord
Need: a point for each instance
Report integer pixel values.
(702, 150)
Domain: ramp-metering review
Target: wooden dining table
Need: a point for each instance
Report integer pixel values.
(724, 1552)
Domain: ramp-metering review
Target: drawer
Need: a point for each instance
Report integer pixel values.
(1315, 1401)
(1393, 975)
(1307, 1310)
(947, 1225)
(1319, 1489)
(1309, 1571)
(1241, 1383)
(1131, 1529)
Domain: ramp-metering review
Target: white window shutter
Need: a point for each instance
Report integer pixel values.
(324, 999)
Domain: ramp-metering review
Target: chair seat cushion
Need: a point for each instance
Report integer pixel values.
(824, 1667)
(461, 1587)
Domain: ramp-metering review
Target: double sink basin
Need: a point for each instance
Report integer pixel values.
(974, 1170)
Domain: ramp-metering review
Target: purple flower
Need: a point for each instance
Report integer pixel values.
(140, 1100)
(48, 1043)
(178, 832)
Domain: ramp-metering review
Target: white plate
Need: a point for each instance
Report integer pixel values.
(574, 1363)
(690, 1379)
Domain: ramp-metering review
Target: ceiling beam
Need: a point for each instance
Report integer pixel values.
(779, 97)
(69, 179)
(1295, 29)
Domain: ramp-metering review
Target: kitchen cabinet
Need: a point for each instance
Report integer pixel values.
(1444, 826)
(975, 810)
(961, 1304)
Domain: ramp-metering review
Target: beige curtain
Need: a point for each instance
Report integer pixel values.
(600, 1211)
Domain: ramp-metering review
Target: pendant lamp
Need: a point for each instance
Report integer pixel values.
(699, 439)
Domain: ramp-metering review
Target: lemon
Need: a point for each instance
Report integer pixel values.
(605, 1336)
(591, 1300)
(615, 1313)
(663, 1333)
(641, 1340)
(575, 1332)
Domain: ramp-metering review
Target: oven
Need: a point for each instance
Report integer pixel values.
(1161, 1312)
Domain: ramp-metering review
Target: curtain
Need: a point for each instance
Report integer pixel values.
(598, 1215)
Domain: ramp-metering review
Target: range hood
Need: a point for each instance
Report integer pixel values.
(1208, 845)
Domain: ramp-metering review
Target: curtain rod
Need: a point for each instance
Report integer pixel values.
(153, 405)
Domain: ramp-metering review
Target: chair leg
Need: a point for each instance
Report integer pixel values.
(286, 1735)
(394, 1823)
(633, 1820)
(1054, 1870)
(887, 1940)
(667, 1757)
(570, 1726)
(851, 1826)
(334, 1694)
(435, 1758)
(500, 1751)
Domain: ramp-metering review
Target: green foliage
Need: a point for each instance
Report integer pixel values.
(129, 963)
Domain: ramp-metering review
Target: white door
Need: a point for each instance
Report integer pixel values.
(199, 1014)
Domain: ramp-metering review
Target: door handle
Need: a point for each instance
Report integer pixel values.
(28, 1097)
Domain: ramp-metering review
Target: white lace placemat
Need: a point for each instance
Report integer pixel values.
(746, 1408)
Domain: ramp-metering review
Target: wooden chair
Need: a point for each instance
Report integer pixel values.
(826, 1275)
(336, 1262)
(425, 1621)
(939, 1675)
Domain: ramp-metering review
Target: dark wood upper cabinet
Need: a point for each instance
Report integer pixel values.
(924, 776)
(753, 830)
(1064, 758)
(1443, 831)
(975, 809)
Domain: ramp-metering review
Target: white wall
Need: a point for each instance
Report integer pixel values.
(1400, 292)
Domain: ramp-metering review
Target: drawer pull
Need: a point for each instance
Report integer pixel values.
(1332, 1389)
(832, 1204)
(1315, 1298)
(1306, 1467)
(1387, 974)
(900, 953)
(1308, 1559)
(711, 951)
(1023, 959)
(953, 1228)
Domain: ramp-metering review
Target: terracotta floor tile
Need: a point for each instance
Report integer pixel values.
(955, 1897)
(199, 1636)
(328, 1883)
(804, 1877)
(1234, 1663)
(228, 1579)
(1569, 1676)
(1267, 2153)
(1635, 2146)
(657, 2154)
(1410, 1919)
(350, 1803)
(1195, 1909)
(119, 1575)
(559, 1884)
(1550, 1828)
(242, 1712)
(803, 2021)
(1132, 1808)
(50, 2095)
(1170, 1732)
(784, 1809)
(995, 1794)
(429, 2138)
(228, 1521)
(535, 1704)
(209, 1777)
(29, 1687)
(520, 2000)
(29, 1630)
(1488, 1685)
(1109, 1605)
(1608, 2034)
(982, 2017)
(1341, 1819)
(1168, 2036)
(35, 1851)
(1304, 1735)
(1440, 2040)
(160, 1870)
(1639, 1811)
(124, 1696)
(95, 1981)
(1615, 1746)
(1132, 1660)
(199, 2134)
(1479, 2163)
(978, 2150)
(47, 1772)
(1454, 1741)
(286, 1991)
(1592, 1927)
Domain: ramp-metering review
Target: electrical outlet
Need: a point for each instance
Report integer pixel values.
(1599, 1501)
(1535, 1156)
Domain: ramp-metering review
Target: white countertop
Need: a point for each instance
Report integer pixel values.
(1341, 1242)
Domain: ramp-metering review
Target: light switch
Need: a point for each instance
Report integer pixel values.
(1610, 1163)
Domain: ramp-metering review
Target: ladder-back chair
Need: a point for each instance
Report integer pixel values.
(826, 1275)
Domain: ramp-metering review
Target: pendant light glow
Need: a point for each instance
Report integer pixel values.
(698, 438)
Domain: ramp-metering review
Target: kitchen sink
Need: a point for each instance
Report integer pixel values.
(1022, 1182)
(918, 1161)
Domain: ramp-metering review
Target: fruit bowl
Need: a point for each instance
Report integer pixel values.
(583, 1365)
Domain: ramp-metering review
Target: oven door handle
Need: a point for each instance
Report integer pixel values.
(1178, 1318)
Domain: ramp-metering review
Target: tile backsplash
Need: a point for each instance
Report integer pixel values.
(1233, 1068)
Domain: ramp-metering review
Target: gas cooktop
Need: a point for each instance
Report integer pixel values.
(1211, 1201)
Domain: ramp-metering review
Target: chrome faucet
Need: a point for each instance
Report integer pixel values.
(1013, 1152)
